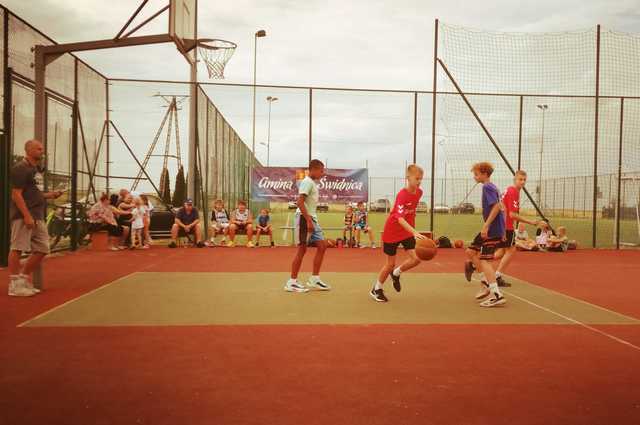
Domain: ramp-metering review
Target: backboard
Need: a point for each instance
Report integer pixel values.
(183, 18)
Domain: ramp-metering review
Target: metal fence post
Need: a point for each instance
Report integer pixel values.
(595, 140)
(310, 121)
(619, 173)
(415, 126)
(433, 124)
(520, 135)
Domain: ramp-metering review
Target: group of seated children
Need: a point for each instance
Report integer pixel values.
(239, 221)
(545, 239)
(356, 222)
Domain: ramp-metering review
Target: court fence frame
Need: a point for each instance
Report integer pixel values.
(88, 166)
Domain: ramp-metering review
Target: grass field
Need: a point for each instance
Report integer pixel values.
(465, 227)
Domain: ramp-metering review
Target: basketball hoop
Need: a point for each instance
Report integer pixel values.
(216, 53)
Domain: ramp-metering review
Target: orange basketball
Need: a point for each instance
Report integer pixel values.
(458, 244)
(331, 243)
(426, 249)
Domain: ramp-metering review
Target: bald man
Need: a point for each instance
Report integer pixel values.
(28, 227)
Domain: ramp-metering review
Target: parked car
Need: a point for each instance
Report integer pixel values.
(162, 218)
(322, 206)
(422, 207)
(441, 209)
(380, 205)
(292, 205)
(463, 208)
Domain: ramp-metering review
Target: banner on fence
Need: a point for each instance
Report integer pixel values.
(280, 184)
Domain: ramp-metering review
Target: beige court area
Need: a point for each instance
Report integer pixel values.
(167, 298)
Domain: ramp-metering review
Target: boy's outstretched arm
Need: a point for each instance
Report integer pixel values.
(406, 226)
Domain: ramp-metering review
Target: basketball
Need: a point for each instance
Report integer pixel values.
(331, 243)
(426, 249)
(458, 244)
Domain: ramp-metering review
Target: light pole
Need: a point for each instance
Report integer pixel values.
(260, 33)
(270, 99)
(543, 108)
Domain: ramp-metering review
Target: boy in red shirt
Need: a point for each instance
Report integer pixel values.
(511, 207)
(399, 229)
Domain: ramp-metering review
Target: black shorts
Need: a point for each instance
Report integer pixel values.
(390, 248)
(241, 227)
(487, 247)
(183, 233)
(510, 239)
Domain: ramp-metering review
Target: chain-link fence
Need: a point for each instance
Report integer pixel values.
(534, 93)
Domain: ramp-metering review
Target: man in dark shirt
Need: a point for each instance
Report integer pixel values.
(187, 223)
(28, 227)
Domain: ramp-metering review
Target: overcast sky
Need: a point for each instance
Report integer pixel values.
(369, 44)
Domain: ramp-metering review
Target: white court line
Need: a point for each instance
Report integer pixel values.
(578, 300)
(74, 300)
(148, 266)
(577, 322)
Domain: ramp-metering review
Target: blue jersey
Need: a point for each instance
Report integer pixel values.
(490, 197)
(263, 220)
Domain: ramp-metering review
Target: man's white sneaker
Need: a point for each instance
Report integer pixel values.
(295, 287)
(17, 288)
(29, 284)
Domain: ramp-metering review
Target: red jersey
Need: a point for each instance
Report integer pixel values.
(404, 207)
(511, 202)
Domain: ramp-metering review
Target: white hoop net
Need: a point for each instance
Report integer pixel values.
(216, 54)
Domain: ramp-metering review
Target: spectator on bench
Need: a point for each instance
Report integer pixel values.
(125, 206)
(348, 224)
(219, 223)
(187, 223)
(241, 221)
(102, 216)
(264, 227)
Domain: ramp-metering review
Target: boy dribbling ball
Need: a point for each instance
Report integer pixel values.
(491, 237)
(399, 229)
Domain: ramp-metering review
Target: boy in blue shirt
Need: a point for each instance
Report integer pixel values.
(490, 238)
(264, 227)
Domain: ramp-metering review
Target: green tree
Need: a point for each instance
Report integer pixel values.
(180, 192)
(165, 189)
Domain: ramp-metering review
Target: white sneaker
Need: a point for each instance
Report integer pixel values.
(295, 287)
(29, 284)
(319, 284)
(495, 301)
(17, 288)
(484, 291)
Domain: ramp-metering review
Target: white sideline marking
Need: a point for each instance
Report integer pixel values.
(578, 300)
(74, 300)
(577, 322)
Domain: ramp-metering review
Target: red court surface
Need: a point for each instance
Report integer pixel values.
(320, 374)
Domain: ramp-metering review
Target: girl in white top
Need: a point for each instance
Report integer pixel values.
(147, 220)
(137, 224)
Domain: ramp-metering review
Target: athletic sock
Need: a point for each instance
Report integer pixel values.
(397, 271)
(292, 281)
(377, 286)
(498, 274)
(493, 287)
(315, 278)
